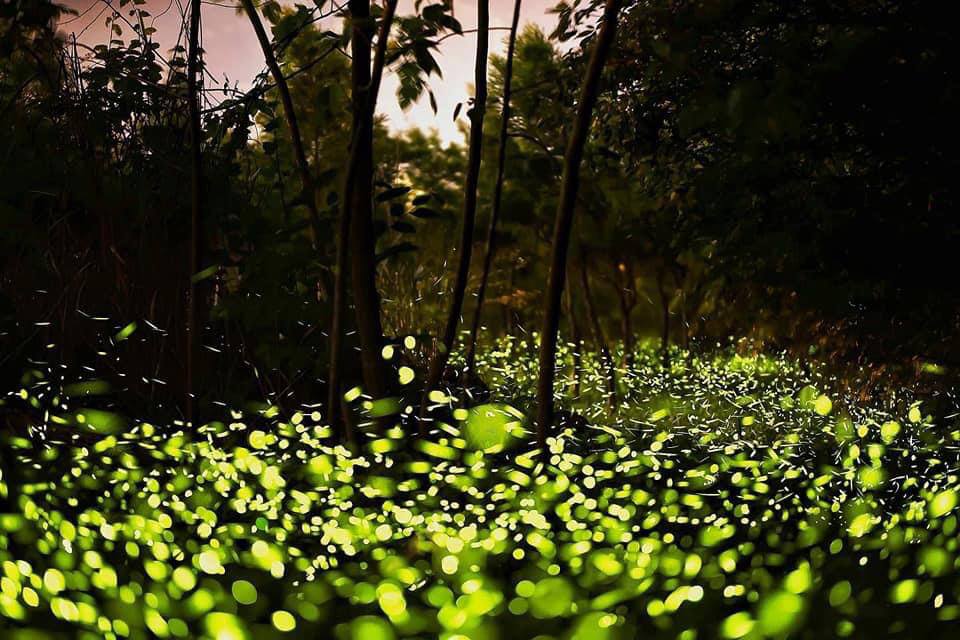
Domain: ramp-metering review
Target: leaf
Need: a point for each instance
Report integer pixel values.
(424, 212)
(394, 192)
(403, 247)
(433, 102)
(451, 23)
(403, 227)
(425, 60)
(456, 111)
(203, 275)
(411, 84)
(434, 12)
(422, 199)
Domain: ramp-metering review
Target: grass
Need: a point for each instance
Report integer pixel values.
(729, 497)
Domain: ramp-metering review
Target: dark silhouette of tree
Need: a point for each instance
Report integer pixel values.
(625, 284)
(665, 298)
(194, 314)
(775, 171)
(309, 193)
(490, 241)
(355, 223)
(442, 348)
(570, 308)
(564, 220)
(599, 339)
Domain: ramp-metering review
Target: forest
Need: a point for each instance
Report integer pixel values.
(654, 331)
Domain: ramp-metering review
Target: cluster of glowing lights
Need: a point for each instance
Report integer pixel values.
(729, 497)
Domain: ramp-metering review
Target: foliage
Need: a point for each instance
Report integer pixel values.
(803, 147)
(781, 172)
(738, 183)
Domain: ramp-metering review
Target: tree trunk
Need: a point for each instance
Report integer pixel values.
(665, 321)
(679, 279)
(309, 194)
(196, 212)
(627, 295)
(497, 189)
(692, 303)
(684, 321)
(598, 337)
(577, 339)
(564, 220)
(508, 319)
(442, 350)
(355, 221)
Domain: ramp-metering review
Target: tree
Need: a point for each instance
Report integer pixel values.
(196, 210)
(489, 244)
(624, 282)
(599, 339)
(802, 140)
(355, 223)
(308, 195)
(442, 348)
(564, 219)
(575, 334)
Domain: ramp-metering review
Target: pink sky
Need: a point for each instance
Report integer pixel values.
(232, 49)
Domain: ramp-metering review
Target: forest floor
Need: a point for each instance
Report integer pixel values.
(723, 497)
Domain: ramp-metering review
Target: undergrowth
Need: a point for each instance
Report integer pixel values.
(724, 497)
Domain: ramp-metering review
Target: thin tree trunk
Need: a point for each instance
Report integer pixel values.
(196, 213)
(442, 350)
(684, 323)
(564, 221)
(359, 178)
(623, 281)
(665, 321)
(306, 178)
(577, 339)
(507, 307)
(679, 278)
(497, 189)
(692, 305)
(361, 239)
(599, 338)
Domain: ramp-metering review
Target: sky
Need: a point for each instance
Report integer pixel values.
(232, 50)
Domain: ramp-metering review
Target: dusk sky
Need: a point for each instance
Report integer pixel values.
(232, 50)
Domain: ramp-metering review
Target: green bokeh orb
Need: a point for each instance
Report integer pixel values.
(491, 427)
